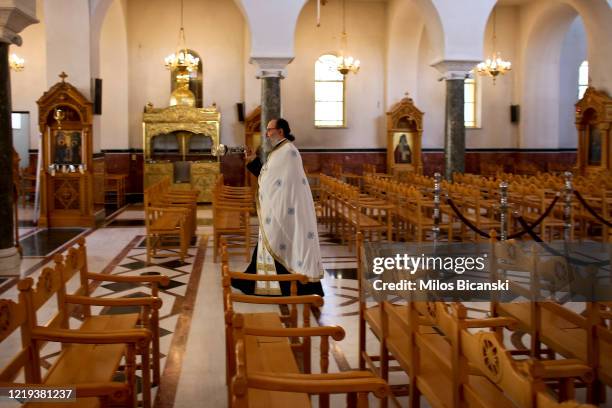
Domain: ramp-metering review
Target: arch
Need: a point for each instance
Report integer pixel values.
(271, 40)
(98, 11)
(540, 73)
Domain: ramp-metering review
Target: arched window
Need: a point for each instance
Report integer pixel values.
(329, 93)
(195, 81)
(470, 103)
(583, 78)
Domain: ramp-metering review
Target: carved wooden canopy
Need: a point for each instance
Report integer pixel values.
(404, 111)
(63, 94)
(597, 101)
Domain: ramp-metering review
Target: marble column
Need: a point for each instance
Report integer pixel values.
(13, 19)
(6, 152)
(454, 129)
(270, 100)
(271, 71)
(454, 73)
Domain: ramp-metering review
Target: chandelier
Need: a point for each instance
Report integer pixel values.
(181, 60)
(495, 65)
(16, 62)
(346, 63)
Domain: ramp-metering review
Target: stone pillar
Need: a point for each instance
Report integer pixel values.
(454, 73)
(271, 71)
(270, 100)
(13, 19)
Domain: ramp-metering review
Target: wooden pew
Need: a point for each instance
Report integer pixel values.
(267, 375)
(89, 358)
(582, 337)
(165, 225)
(269, 346)
(232, 207)
(75, 262)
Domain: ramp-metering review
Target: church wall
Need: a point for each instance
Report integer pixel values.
(495, 129)
(545, 90)
(214, 29)
(431, 95)
(573, 53)
(67, 43)
(404, 29)
(28, 85)
(365, 105)
(114, 74)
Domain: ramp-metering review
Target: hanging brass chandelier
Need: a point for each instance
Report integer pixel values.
(495, 65)
(346, 63)
(181, 60)
(16, 62)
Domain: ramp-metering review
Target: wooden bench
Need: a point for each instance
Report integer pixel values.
(261, 346)
(75, 262)
(169, 225)
(232, 207)
(584, 337)
(90, 355)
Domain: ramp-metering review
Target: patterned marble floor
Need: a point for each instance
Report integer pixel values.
(193, 352)
(192, 340)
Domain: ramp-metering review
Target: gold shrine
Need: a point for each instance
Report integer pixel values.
(177, 143)
(593, 120)
(66, 179)
(404, 133)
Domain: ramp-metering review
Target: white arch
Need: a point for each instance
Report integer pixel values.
(272, 26)
(462, 36)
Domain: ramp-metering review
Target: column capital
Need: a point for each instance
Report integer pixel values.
(271, 66)
(454, 69)
(14, 17)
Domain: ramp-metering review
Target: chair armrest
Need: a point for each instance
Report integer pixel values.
(89, 337)
(178, 210)
(153, 302)
(319, 383)
(490, 322)
(163, 280)
(269, 278)
(336, 332)
(315, 300)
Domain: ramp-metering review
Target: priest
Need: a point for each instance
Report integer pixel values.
(288, 241)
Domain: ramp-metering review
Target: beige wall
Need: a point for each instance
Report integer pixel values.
(114, 74)
(390, 38)
(215, 29)
(364, 91)
(28, 85)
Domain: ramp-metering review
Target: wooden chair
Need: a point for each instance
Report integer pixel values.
(232, 207)
(583, 338)
(90, 354)
(167, 227)
(75, 262)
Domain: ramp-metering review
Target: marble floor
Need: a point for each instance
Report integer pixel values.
(192, 341)
(193, 352)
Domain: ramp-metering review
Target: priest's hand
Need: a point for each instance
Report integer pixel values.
(249, 155)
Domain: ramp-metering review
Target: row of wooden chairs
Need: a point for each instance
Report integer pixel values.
(261, 365)
(584, 337)
(478, 198)
(232, 209)
(92, 353)
(170, 219)
(454, 359)
(346, 212)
